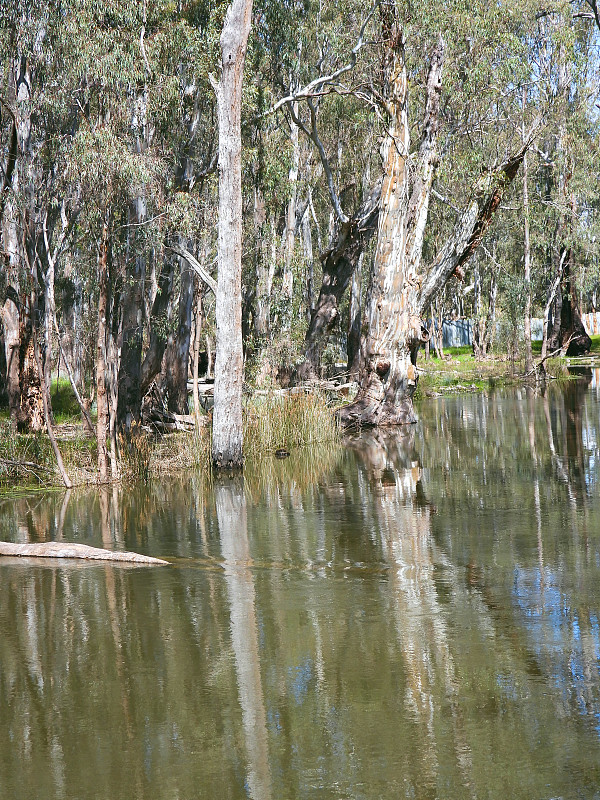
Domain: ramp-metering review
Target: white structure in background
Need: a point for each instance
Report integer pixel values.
(459, 332)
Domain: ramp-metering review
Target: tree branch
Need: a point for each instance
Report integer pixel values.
(196, 266)
(471, 225)
(309, 90)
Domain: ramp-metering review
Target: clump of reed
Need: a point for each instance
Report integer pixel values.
(275, 422)
(136, 454)
(25, 458)
(183, 450)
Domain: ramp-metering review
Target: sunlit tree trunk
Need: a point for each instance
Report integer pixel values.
(227, 415)
(290, 223)
(527, 269)
(401, 289)
(101, 389)
(393, 313)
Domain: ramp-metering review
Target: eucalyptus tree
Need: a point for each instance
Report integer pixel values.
(227, 436)
(401, 287)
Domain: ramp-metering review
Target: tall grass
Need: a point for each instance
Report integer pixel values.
(273, 422)
(24, 458)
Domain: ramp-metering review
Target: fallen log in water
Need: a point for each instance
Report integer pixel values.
(70, 550)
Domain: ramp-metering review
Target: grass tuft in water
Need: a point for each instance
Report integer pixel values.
(274, 422)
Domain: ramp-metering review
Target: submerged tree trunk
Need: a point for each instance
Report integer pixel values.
(227, 435)
(393, 314)
(400, 289)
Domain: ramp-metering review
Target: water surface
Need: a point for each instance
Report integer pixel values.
(415, 614)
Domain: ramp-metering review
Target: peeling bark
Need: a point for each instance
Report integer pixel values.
(388, 373)
(101, 342)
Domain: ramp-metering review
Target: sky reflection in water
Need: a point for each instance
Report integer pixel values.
(414, 614)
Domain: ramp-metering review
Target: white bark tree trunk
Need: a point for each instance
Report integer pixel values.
(227, 415)
(388, 373)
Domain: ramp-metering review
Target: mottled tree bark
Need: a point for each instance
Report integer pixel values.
(101, 389)
(354, 323)
(568, 331)
(388, 354)
(158, 338)
(227, 415)
(129, 402)
(178, 351)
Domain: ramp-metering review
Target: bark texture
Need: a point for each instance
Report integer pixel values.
(401, 290)
(568, 332)
(129, 395)
(227, 415)
(388, 358)
(101, 343)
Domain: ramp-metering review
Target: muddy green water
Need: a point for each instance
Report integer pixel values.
(412, 615)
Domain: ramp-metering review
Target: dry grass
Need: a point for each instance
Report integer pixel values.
(274, 422)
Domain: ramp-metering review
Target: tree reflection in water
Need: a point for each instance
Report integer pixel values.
(416, 615)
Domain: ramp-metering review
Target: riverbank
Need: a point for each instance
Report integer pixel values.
(274, 425)
(459, 371)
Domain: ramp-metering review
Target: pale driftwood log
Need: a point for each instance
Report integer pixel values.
(71, 550)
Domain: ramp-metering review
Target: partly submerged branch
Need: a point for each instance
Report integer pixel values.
(70, 550)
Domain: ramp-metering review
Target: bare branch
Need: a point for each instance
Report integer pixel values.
(309, 90)
(196, 266)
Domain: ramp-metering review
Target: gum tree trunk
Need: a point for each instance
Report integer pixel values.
(178, 351)
(129, 396)
(401, 290)
(101, 389)
(388, 352)
(227, 414)
(339, 264)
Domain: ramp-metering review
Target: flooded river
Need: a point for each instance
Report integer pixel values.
(412, 615)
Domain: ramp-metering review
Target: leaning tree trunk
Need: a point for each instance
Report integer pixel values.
(227, 434)
(339, 264)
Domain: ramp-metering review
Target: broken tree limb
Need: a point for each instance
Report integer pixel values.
(472, 225)
(200, 271)
(72, 550)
